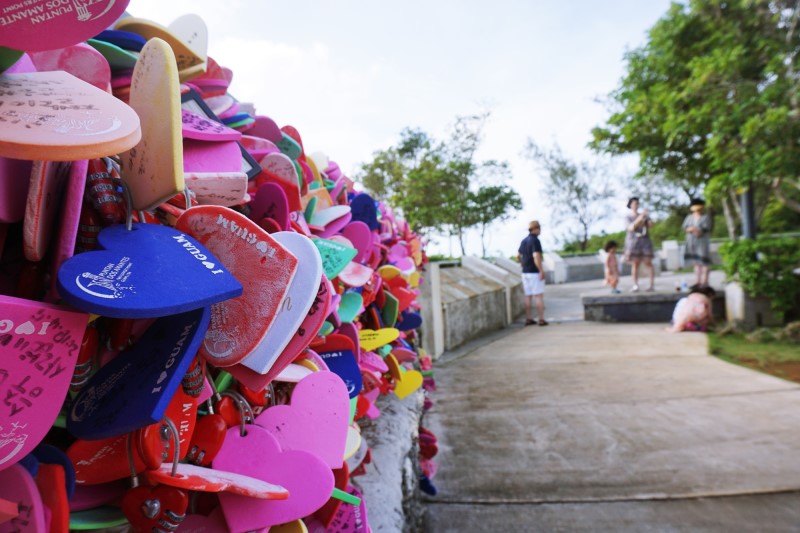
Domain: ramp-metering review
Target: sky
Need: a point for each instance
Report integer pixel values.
(350, 75)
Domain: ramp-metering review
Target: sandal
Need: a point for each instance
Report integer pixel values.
(543, 322)
(530, 322)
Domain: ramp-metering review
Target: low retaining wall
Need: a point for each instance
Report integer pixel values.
(640, 307)
(463, 300)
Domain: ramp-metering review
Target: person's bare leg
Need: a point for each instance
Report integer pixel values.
(705, 269)
(649, 263)
(698, 274)
(635, 273)
(540, 306)
(528, 315)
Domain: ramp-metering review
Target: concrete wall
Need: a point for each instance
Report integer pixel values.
(472, 305)
(463, 300)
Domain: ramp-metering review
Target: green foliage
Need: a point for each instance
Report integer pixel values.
(764, 268)
(769, 350)
(492, 203)
(438, 186)
(712, 100)
(577, 192)
(594, 243)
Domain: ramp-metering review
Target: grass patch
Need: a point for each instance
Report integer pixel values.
(777, 358)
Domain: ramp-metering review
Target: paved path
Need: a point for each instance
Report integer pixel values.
(583, 426)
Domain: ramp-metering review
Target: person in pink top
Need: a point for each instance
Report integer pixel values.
(693, 312)
(612, 266)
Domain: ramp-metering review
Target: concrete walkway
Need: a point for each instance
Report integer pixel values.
(583, 426)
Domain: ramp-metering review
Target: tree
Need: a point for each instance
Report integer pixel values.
(578, 193)
(711, 101)
(490, 204)
(437, 185)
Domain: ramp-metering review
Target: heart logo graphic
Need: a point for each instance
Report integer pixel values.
(308, 479)
(316, 419)
(263, 266)
(124, 395)
(149, 271)
(295, 306)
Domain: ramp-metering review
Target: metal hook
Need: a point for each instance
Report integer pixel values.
(131, 464)
(273, 400)
(215, 397)
(187, 196)
(241, 403)
(175, 444)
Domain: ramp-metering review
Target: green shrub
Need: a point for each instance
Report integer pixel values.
(764, 268)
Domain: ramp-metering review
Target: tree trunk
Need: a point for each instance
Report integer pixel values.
(785, 200)
(730, 221)
(483, 240)
(737, 208)
(461, 241)
(585, 239)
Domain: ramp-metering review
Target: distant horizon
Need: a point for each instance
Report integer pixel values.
(350, 82)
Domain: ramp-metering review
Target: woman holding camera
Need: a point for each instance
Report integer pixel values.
(638, 247)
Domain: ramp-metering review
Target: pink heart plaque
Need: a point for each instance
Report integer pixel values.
(316, 420)
(204, 129)
(81, 60)
(70, 216)
(217, 188)
(93, 124)
(299, 342)
(13, 189)
(46, 25)
(263, 267)
(39, 345)
(351, 518)
(18, 486)
(361, 236)
(270, 202)
(295, 305)
(44, 193)
(307, 478)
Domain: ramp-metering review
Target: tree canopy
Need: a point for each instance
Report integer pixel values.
(711, 101)
(577, 192)
(439, 186)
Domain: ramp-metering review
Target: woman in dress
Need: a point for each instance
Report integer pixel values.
(697, 225)
(638, 247)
